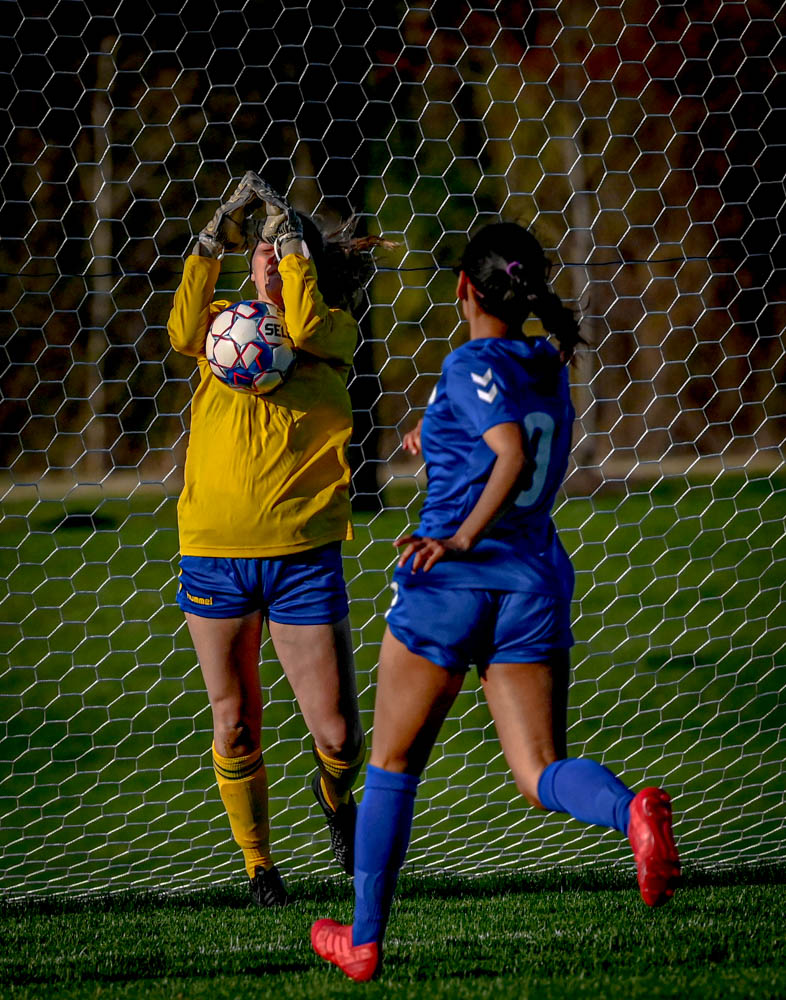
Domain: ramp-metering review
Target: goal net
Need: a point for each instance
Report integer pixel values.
(641, 140)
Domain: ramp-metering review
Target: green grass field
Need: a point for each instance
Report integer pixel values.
(104, 725)
(556, 937)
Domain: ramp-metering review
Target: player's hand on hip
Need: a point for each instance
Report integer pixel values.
(423, 551)
(427, 551)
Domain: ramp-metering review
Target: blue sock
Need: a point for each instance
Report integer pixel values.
(381, 839)
(588, 791)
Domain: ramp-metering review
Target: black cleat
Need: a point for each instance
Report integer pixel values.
(341, 823)
(267, 888)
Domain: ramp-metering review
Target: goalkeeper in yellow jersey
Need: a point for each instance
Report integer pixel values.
(264, 510)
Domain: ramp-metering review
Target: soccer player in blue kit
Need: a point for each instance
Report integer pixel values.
(485, 580)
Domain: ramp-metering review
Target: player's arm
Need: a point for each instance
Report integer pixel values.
(506, 442)
(193, 307)
(330, 334)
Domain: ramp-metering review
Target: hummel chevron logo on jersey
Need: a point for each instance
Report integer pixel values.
(484, 379)
(491, 395)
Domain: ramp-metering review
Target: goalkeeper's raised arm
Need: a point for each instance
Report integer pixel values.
(194, 308)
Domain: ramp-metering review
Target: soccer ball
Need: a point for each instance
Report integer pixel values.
(249, 349)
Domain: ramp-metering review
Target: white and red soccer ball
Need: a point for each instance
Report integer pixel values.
(249, 349)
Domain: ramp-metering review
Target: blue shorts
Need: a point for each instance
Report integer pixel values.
(305, 588)
(455, 628)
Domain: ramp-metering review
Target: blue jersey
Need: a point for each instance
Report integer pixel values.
(487, 382)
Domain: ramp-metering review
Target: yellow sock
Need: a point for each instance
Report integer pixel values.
(242, 782)
(338, 776)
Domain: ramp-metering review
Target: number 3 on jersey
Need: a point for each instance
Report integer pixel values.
(539, 431)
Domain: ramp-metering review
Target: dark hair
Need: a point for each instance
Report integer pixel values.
(343, 261)
(509, 270)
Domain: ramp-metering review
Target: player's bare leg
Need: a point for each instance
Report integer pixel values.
(318, 662)
(413, 697)
(228, 652)
(319, 665)
(528, 702)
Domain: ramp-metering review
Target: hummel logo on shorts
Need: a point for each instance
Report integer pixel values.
(199, 600)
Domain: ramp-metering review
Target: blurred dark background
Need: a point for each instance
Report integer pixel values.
(642, 140)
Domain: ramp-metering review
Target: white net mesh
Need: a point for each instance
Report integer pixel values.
(641, 139)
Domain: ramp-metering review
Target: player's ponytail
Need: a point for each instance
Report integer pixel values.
(557, 320)
(509, 270)
(343, 261)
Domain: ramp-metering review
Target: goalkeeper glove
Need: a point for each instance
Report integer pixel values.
(227, 232)
(284, 229)
(282, 226)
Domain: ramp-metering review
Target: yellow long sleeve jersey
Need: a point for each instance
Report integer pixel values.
(267, 475)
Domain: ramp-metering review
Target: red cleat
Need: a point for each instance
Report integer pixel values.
(333, 942)
(652, 840)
